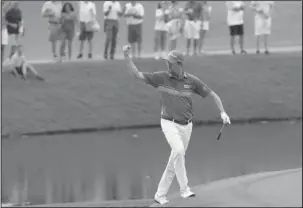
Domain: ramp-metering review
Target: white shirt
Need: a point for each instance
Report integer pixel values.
(234, 17)
(136, 9)
(87, 11)
(14, 61)
(115, 9)
(264, 6)
(160, 23)
(55, 7)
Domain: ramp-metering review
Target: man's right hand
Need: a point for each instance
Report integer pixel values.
(126, 51)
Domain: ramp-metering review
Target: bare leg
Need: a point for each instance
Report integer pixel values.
(201, 40)
(257, 44)
(70, 49)
(13, 49)
(32, 70)
(266, 43)
(2, 53)
(81, 47)
(54, 48)
(133, 50)
(195, 46)
(62, 48)
(232, 44)
(90, 48)
(139, 49)
(241, 42)
(164, 42)
(188, 44)
(156, 43)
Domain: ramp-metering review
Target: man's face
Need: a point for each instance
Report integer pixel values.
(174, 68)
(133, 2)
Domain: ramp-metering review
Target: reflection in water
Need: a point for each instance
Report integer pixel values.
(117, 166)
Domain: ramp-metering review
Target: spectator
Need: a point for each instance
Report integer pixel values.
(263, 10)
(112, 12)
(205, 18)
(175, 24)
(193, 11)
(4, 34)
(52, 11)
(87, 16)
(19, 66)
(134, 13)
(13, 18)
(160, 30)
(235, 21)
(68, 21)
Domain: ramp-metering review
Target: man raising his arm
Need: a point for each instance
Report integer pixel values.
(176, 88)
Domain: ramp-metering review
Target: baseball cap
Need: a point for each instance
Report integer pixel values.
(174, 57)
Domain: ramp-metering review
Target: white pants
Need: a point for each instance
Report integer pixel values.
(192, 29)
(178, 137)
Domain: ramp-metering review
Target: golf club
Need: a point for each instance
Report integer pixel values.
(219, 135)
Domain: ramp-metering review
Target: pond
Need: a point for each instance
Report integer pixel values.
(128, 164)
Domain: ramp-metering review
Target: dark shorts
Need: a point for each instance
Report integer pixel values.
(235, 30)
(85, 35)
(111, 28)
(135, 33)
(19, 70)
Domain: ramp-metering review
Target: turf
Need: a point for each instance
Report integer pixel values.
(98, 94)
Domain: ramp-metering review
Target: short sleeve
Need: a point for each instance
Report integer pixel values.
(141, 12)
(200, 88)
(154, 79)
(45, 7)
(105, 6)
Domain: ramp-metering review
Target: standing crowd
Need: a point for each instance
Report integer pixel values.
(173, 20)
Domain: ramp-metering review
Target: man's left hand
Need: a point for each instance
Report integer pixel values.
(225, 118)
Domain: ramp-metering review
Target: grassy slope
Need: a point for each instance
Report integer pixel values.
(103, 93)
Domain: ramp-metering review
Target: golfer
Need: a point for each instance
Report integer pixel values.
(176, 88)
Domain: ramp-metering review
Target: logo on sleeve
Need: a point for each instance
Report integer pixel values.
(187, 86)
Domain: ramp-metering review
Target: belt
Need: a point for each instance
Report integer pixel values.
(184, 122)
(54, 22)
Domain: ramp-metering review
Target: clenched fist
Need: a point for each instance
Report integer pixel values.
(225, 118)
(126, 50)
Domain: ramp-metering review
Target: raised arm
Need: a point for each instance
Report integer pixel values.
(130, 64)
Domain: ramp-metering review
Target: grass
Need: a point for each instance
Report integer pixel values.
(99, 94)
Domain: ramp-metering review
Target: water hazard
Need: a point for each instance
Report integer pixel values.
(128, 164)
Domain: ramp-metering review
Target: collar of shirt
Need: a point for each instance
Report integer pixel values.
(172, 76)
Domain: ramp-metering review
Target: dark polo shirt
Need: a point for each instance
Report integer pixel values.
(176, 93)
(14, 15)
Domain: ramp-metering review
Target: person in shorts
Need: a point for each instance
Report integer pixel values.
(160, 30)
(205, 18)
(68, 21)
(193, 11)
(235, 21)
(87, 14)
(134, 13)
(13, 18)
(175, 23)
(19, 66)
(263, 11)
(4, 34)
(51, 10)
